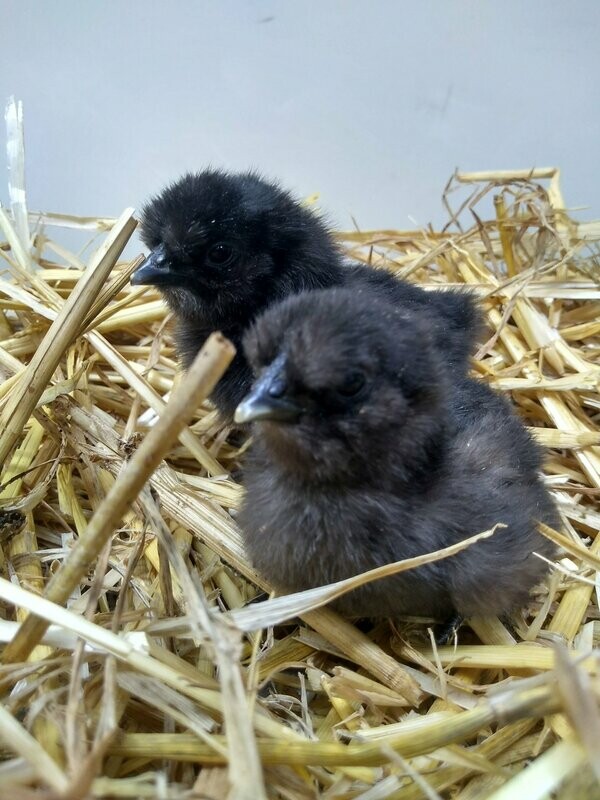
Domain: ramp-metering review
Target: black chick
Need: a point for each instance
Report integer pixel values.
(226, 246)
(367, 451)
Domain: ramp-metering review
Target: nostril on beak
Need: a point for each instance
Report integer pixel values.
(277, 388)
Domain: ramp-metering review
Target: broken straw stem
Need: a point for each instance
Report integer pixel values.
(208, 367)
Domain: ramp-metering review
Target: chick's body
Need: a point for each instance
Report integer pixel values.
(226, 246)
(395, 463)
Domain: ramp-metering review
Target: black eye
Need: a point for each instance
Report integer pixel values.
(219, 255)
(352, 384)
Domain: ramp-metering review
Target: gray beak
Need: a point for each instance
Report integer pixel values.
(268, 399)
(156, 270)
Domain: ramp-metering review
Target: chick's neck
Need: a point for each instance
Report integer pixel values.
(403, 462)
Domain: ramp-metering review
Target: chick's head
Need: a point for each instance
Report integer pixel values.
(224, 245)
(343, 380)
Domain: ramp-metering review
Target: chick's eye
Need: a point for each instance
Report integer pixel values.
(220, 254)
(353, 383)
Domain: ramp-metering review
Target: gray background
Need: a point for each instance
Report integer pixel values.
(372, 104)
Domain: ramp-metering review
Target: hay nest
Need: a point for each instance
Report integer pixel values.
(143, 675)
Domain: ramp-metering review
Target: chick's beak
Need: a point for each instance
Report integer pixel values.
(269, 398)
(155, 270)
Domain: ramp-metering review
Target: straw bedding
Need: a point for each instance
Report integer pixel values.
(155, 677)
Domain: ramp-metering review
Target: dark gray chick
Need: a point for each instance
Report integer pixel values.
(367, 451)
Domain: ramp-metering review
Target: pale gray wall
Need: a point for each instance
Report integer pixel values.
(371, 103)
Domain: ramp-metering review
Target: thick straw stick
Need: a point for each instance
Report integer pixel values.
(520, 703)
(209, 365)
(339, 632)
(61, 333)
(500, 175)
